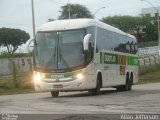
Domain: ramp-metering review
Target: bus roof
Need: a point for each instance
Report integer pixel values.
(70, 24)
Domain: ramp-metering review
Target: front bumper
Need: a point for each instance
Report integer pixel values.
(61, 86)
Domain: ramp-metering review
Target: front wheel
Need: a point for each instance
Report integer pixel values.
(54, 93)
(96, 90)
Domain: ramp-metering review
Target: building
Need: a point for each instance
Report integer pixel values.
(152, 11)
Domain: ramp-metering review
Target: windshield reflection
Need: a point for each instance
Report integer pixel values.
(59, 50)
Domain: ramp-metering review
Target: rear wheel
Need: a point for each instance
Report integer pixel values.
(130, 82)
(54, 93)
(128, 85)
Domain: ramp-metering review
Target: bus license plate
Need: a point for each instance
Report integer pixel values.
(57, 86)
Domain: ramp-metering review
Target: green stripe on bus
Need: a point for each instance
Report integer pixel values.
(132, 60)
(111, 58)
(63, 75)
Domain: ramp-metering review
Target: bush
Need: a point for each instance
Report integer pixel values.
(25, 84)
(5, 54)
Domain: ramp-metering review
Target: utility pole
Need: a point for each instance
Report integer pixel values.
(33, 19)
(69, 9)
(158, 27)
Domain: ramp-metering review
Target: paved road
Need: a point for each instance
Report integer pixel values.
(142, 99)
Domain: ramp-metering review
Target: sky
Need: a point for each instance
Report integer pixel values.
(17, 13)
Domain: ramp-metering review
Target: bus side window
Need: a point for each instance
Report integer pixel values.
(116, 48)
(135, 48)
(128, 47)
(132, 47)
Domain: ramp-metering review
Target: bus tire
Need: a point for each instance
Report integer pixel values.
(96, 91)
(131, 81)
(54, 93)
(127, 86)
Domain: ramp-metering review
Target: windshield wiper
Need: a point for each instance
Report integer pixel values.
(63, 59)
(52, 57)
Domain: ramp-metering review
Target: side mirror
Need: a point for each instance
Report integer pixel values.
(31, 45)
(86, 41)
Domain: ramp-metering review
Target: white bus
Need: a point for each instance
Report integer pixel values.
(83, 54)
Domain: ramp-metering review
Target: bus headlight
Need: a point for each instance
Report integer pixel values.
(38, 77)
(80, 76)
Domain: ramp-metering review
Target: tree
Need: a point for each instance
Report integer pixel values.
(76, 11)
(12, 38)
(125, 23)
(143, 27)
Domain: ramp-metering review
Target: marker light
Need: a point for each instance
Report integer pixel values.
(80, 76)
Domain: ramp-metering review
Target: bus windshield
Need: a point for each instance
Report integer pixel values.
(59, 50)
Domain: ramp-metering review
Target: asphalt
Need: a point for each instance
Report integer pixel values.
(143, 99)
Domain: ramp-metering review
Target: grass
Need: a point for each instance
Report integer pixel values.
(25, 84)
(148, 43)
(151, 43)
(150, 76)
(148, 81)
(15, 91)
(5, 54)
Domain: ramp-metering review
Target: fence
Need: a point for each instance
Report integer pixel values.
(24, 64)
(148, 62)
(149, 51)
(149, 57)
(20, 64)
